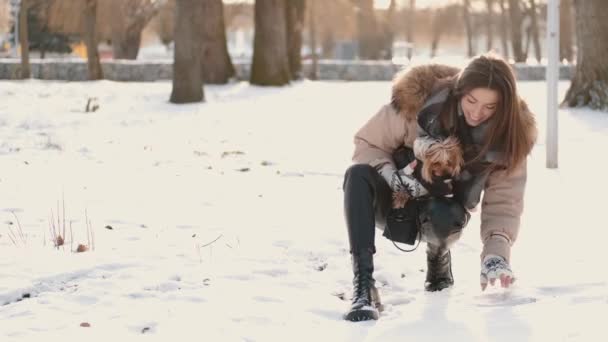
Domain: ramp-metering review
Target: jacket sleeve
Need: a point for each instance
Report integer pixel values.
(501, 209)
(376, 141)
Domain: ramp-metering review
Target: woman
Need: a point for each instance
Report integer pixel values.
(480, 106)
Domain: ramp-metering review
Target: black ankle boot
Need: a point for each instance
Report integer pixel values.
(366, 301)
(439, 269)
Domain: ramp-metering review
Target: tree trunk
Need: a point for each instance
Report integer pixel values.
(504, 29)
(165, 27)
(125, 45)
(437, 31)
(270, 65)
(411, 15)
(295, 25)
(187, 64)
(367, 30)
(565, 35)
(535, 31)
(388, 32)
(217, 67)
(313, 39)
(90, 38)
(489, 20)
(516, 34)
(468, 27)
(528, 38)
(24, 40)
(328, 42)
(131, 17)
(589, 87)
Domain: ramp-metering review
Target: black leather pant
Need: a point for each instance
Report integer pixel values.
(367, 202)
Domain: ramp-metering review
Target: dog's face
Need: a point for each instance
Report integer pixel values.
(444, 169)
(443, 159)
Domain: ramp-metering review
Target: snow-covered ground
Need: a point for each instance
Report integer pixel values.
(227, 222)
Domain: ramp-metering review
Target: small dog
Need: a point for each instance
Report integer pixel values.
(440, 159)
(437, 162)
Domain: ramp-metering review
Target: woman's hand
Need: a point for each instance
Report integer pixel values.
(495, 267)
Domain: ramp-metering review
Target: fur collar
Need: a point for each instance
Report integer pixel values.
(412, 87)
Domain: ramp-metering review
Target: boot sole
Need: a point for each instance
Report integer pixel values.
(364, 314)
(438, 286)
(367, 313)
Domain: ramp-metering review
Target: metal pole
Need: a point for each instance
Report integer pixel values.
(552, 81)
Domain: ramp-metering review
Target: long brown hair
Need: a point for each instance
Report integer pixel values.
(508, 129)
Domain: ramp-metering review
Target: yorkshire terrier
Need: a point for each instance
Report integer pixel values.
(441, 160)
(437, 163)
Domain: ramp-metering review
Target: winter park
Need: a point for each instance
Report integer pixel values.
(306, 170)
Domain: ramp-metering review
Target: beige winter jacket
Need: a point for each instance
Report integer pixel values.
(395, 125)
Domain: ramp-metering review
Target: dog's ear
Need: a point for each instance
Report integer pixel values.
(458, 160)
(451, 146)
(426, 172)
(431, 156)
(456, 169)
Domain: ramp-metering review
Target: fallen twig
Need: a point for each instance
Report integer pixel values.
(205, 245)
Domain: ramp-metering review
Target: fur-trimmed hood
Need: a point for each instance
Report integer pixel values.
(412, 87)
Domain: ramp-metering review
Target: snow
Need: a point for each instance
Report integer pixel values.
(227, 222)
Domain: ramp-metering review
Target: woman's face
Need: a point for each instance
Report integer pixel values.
(479, 105)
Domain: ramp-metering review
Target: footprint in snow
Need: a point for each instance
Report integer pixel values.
(503, 300)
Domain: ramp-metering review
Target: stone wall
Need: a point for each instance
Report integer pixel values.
(140, 71)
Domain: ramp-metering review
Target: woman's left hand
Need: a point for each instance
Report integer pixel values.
(496, 267)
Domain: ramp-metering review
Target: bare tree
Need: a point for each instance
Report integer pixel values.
(187, 64)
(217, 67)
(589, 87)
(90, 38)
(516, 34)
(437, 31)
(411, 11)
(78, 18)
(367, 30)
(312, 22)
(565, 31)
(270, 59)
(387, 33)
(164, 23)
(4, 16)
(335, 21)
(234, 10)
(468, 26)
(504, 31)
(328, 42)
(128, 21)
(534, 31)
(295, 26)
(488, 22)
(24, 39)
